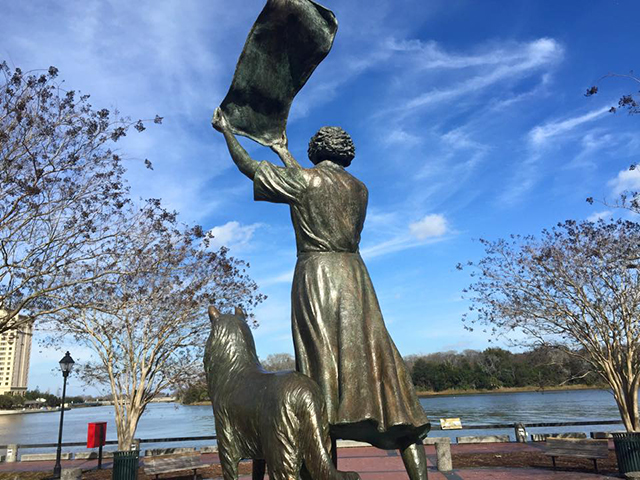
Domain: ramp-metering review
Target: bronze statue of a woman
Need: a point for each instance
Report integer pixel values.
(340, 337)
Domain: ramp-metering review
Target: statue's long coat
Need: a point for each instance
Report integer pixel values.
(340, 338)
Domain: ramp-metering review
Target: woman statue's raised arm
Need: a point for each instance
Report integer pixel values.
(241, 158)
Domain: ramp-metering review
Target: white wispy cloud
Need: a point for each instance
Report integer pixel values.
(627, 180)
(451, 159)
(429, 229)
(592, 145)
(434, 225)
(551, 134)
(522, 181)
(399, 136)
(539, 135)
(284, 277)
(600, 216)
(233, 235)
(144, 59)
(433, 56)
(496, 65)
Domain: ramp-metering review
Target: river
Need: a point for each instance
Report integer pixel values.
(163, 420)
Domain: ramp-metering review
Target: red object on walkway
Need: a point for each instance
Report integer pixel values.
(97, 434)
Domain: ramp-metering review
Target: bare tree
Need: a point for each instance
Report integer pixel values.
(61, 191)
(147, 325)
(279, 361)
(626, 102)
(630, 199)
(576, 289)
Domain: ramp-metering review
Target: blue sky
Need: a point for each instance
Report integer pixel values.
(469, 121)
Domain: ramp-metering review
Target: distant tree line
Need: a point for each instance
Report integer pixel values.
(10, 402)
(490, 369)
(496, 368)
(196, 390)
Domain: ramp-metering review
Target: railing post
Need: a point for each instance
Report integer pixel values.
(443, 454)
(12, 453)
(520, 433)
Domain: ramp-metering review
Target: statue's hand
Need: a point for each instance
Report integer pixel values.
(219, 121)
(281, 148)
(281, 145)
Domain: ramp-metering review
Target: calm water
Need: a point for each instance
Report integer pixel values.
(164, 420)
(525, 407)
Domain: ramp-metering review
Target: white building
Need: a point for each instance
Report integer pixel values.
(15, 352)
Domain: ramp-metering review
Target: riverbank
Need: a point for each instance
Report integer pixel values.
(531, 388)
(30, 410)
(451, 392)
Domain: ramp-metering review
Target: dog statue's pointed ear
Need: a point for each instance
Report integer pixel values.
(214, 314)
(240, 312)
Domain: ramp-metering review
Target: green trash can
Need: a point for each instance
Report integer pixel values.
(125, 465)
(627, 451)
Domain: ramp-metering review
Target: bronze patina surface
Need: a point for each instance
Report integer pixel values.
(341, 341)
(277, 417)
(340, 338)
(339, 333)
(287, 42)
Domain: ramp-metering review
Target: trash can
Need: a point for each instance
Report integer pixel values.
(125, 465)
(627, 451)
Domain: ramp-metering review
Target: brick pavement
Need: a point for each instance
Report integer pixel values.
(374, 464)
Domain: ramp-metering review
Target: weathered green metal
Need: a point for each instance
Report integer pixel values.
(125, 465)
(277, 417)
(287, 42)
(340, 338)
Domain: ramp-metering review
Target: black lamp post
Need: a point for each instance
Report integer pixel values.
(66, 365)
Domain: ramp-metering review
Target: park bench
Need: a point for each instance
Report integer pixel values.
(174, 463)
(569, 447)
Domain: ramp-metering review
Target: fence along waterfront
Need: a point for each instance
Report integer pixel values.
(435, 427)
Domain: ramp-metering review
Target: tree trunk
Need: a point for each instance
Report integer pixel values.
(626, 397)
(126, 425)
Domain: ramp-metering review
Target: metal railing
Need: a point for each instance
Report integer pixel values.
(435, 427)
(535, 425)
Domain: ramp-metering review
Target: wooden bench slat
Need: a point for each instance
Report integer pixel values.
(576, 441)
(569, 447)
(595, 449)
(174, 463)
(175, 468)
(558, 453)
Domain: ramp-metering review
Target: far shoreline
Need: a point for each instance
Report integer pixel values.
(451, 392)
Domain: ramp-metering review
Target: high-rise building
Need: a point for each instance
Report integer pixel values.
(15, 352)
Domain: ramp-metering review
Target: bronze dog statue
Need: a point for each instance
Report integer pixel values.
(279, 418)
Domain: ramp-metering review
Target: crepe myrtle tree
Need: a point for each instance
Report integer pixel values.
(61, 191)
(576, 288)
(147, 325)
(625, 102)
(629, 200)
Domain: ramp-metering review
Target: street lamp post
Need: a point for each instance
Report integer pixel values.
(66, 364)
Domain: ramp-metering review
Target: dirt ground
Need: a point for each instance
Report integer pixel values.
(211, 472)
(534, 459)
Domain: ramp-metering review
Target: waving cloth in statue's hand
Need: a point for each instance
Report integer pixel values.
(288, 41)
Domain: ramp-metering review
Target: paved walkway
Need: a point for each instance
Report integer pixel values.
(374, 464)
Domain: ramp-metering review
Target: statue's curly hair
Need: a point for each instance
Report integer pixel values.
(332, 143)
